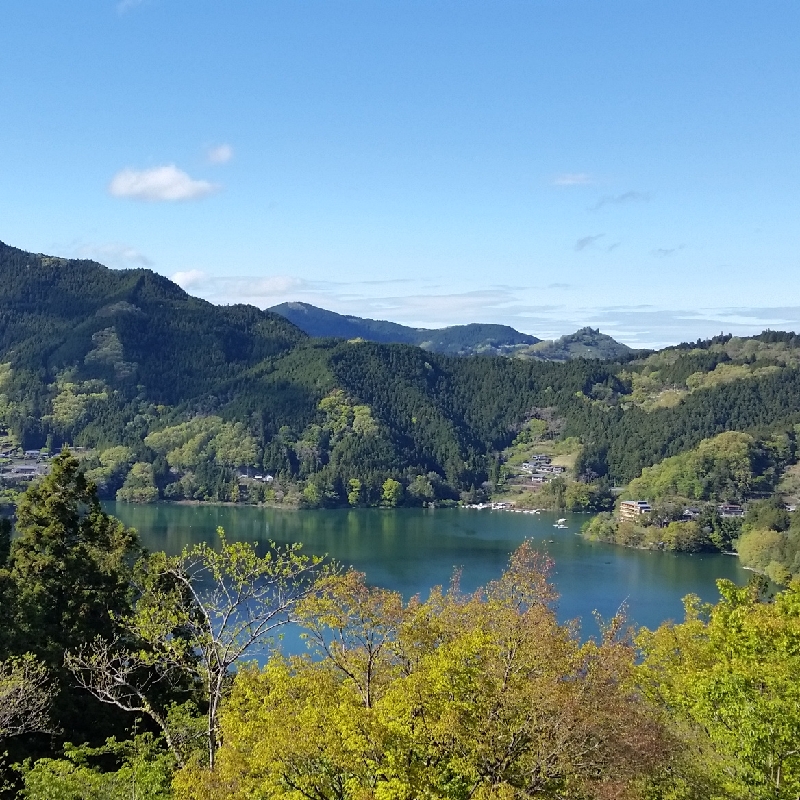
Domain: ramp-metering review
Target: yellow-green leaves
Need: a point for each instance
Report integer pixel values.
(205, 438)
(461, 696)
(731, 673)
(26, 694)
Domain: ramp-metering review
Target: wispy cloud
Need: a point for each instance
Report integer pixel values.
(620, 199)
(126, 5)
(159, 184)
(665, 252)
(430, 305)
(613, 247)
(573, 179)
(220, 154)
(111, 254)
(587, 241)
(240, 289)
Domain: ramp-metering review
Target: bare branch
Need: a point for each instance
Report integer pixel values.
(26, 694)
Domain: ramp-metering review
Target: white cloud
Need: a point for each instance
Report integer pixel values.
(573, 179)
(167, 183)
(221, 154)
(190, 279)
(112, 254)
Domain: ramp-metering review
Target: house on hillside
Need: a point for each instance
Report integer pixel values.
(631, 509)
(730, 510)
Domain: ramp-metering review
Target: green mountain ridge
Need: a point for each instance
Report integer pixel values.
(174, 396)
(460, 340)
(471, 339)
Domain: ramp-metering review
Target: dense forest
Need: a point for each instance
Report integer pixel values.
(126, 674)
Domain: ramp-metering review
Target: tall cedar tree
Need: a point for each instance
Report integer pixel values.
(68, 579)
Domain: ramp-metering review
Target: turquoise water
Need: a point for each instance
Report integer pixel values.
(411, 550)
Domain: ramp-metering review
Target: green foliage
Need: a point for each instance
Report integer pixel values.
(5, 540)
(392, 494)
(107, 471)
(585, 343)
(482, 696)
(203, 440)
(139, 486)
(195, 617)
(354, 493)
(69, 565)
(67, 580)
(730, 675)
(770, 541)
(681, 536)
(587, 497)
(108, 359)
(728, 467)
(26, 694)
(144, 772)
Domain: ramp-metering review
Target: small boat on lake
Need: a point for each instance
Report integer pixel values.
(561, 523)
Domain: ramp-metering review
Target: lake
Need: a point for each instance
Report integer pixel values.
(411, 550)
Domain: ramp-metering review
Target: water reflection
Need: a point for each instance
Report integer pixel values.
(411, 550)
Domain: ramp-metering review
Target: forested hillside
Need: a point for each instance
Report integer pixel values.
(173, 397)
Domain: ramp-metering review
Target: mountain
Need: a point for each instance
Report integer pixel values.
(585, 343)
(457, 340)
(127, 326)
(173, 396)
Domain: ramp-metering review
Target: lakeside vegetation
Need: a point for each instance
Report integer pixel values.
(450, 696)
(168, 397)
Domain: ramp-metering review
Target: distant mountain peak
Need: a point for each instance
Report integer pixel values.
(463, 340)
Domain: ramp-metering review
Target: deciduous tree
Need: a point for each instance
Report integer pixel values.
(731, 672)
(478, 696)
(197, 615)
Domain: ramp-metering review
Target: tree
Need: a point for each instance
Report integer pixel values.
(482, 696)
(26, 694)
(392, 494)
(144, 774)
(196, 616)
(577, 496)
(139, 486)
(67, 581)
(354, 492)
(730, 673)
(70, 564)
(5, 540)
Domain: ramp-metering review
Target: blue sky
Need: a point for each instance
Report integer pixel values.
(630, 165)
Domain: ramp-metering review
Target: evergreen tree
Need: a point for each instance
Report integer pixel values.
(68, 581)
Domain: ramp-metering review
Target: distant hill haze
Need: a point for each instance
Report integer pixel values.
(461, 340)
(470, 339)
